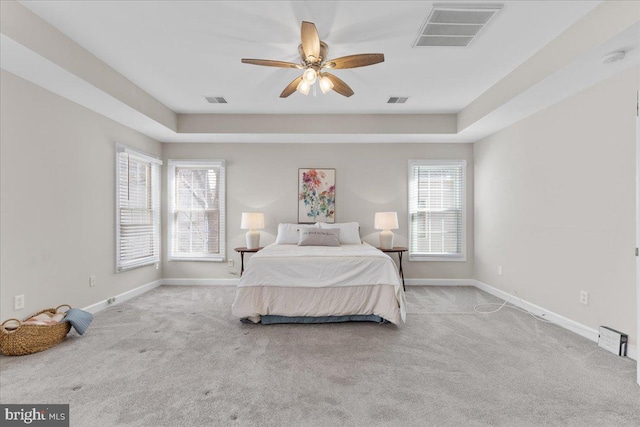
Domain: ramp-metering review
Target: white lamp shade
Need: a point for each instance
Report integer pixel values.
(386, 221)
(252, 221)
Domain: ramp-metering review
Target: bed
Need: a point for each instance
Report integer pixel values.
(287, 283)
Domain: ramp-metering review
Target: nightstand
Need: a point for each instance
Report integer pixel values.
(242, 251)
(397, 250)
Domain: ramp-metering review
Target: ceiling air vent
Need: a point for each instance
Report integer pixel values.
(397, 99)
(216, 100)
(454, 24)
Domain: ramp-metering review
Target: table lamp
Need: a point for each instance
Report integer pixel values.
(252, 221)
(386, 221)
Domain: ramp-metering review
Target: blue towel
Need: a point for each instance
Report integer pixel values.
(79, 319)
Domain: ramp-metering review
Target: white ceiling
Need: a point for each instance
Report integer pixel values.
(532, 55)
(180, 51)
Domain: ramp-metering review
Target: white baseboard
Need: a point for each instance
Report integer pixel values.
(571, 325)
(201, 282)
(234, 282)
(632, 352)
(439, 282)
(101, 305)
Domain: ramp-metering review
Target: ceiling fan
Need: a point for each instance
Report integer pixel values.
(313, 53)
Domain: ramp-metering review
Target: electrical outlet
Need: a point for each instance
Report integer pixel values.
(92, 281)
(230, 262)
(499, 270)
(584, 297)
(18, 302)
(157, 266)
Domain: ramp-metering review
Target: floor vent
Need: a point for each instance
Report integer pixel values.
(454, 24)
(216, 100)
(397, 99)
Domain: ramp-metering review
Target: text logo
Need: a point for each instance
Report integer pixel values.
(34, 415)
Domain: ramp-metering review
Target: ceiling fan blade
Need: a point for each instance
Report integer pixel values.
(310, 40)
(291, 87)
(339, 86)
(270, 63)
(354, 61)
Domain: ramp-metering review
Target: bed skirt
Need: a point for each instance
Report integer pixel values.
(272, 319)
(255, 302)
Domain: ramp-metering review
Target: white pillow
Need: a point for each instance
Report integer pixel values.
(288, 234)
(319, 237)
(349, 232)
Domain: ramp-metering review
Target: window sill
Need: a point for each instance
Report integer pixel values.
(437, 258)
(134, 266)
(197, 259)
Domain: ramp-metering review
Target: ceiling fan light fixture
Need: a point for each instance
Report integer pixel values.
(313, 53)
(325, 84)
(303, 87)
(309, 76)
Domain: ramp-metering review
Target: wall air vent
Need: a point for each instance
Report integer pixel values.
(451, 24)
(216, 100)
(397, 99)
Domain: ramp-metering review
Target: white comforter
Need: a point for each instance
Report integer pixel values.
(320, 266)
(361, 272)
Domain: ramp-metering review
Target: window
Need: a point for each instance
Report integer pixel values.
(137, 209)
(196, 210)
(437, 213)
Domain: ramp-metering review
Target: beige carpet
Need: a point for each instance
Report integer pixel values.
(176, 357)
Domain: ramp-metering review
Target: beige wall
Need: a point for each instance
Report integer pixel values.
(369, 178)
(551, 199)
(555, 203)
(57, 200)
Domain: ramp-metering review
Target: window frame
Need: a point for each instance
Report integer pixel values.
(155, 190)
(462, 256)
(172, 164)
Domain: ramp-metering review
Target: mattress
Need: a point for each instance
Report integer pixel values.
(317, 281)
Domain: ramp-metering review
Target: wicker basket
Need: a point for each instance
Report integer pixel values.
(27, 339)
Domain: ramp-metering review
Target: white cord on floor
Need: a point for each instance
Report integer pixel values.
(512, 306)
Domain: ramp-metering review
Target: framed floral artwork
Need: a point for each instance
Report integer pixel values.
(316, 195)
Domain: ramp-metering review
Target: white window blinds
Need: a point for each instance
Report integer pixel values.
(437, 212)
(197, 210)
(137, 209)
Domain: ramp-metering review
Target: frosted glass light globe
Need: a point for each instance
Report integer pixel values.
(309, 76)
(303, 87)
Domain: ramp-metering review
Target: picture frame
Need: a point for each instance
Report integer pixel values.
(316, 195)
